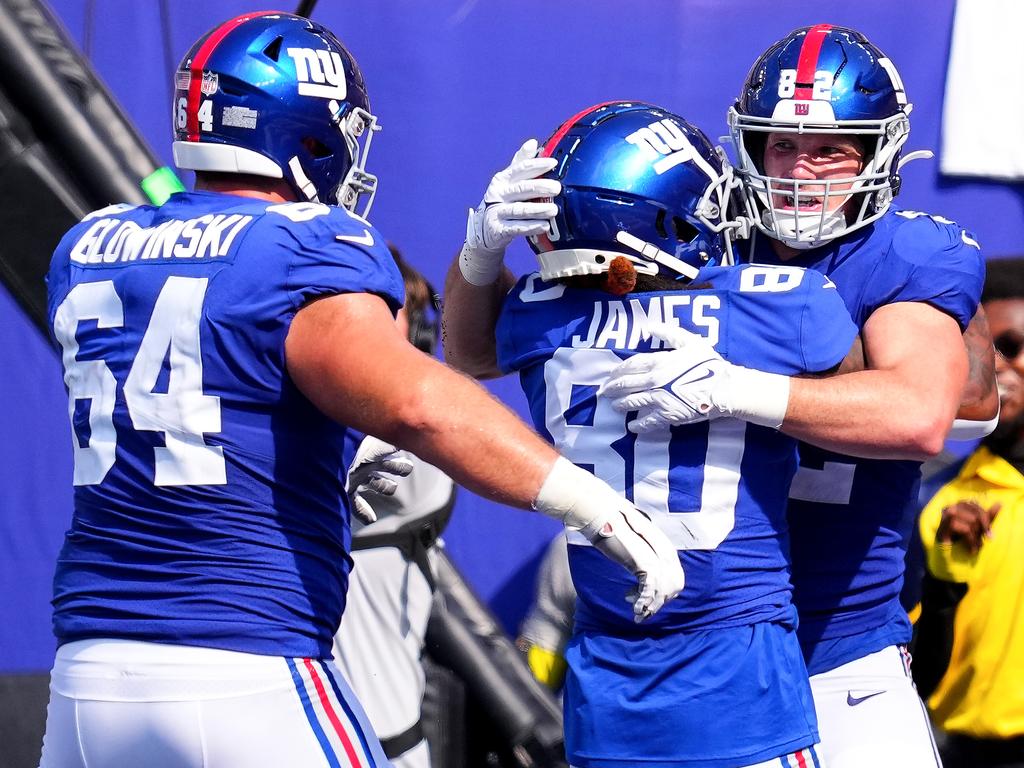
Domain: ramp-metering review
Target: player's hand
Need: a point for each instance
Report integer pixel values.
(374, 460)
(584, 503)
(967, 522)
(672, 387)
(510, 209)
(627, 536)
(690, 382)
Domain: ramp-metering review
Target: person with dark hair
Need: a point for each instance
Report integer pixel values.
(219, 352)
(420, 316)
(969, 644)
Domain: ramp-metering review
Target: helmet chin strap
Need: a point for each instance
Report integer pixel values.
(302, 180)
(652, 252)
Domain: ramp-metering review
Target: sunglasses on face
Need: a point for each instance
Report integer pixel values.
(1009, 344)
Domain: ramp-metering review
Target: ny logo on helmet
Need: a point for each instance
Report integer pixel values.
(320, 73)
(663, 143)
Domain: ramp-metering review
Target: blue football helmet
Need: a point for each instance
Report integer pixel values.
(640, 182)
(821, 80)
(277, 95)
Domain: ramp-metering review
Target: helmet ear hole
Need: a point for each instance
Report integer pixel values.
(659, 223)
(273, 51)
(685, 232)
(754, 142)
(316, 148)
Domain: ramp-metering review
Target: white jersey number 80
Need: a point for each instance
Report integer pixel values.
(640, 470)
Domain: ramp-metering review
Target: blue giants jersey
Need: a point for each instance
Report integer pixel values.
(850, 519)
(209, 503)
(717, 489)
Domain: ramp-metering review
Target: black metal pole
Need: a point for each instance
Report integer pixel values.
(305, 8)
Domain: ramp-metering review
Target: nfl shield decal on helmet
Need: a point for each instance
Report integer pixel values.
(210, 84)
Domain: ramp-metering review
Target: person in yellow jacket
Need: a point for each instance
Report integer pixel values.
(973, 534)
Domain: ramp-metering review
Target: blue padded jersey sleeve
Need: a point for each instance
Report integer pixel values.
(826, 329)
(534, 317)
(793, 319)
(943, 263)
(322, 264)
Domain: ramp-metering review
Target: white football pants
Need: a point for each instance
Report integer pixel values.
(117, 703)
(869, 714)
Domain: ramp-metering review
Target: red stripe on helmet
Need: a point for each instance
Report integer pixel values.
(543, 241)
(807, 64)
(564, 128)
(199, 62)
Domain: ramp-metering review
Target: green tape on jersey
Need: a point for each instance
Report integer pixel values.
(161, 184)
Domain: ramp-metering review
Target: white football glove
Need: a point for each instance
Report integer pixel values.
(691, 382)
(510, 209)
(618, 529)
(373, 460)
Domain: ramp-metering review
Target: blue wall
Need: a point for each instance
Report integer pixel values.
(457, 85)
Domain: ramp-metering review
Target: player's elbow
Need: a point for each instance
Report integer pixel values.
(913, 435)
(930, 446)
(925, 437)
(924, 419)
(408, 417)
(423, 411)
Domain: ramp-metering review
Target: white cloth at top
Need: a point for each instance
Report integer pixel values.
(982, 113)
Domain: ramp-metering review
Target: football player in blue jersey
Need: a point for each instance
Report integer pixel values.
(630, 256)
(217, 351)
(818, 129)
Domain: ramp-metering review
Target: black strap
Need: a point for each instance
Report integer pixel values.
(412, 539)
(933, 632)
(403, 742)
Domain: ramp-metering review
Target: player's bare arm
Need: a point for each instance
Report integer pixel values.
(516, 203)
(468, 318)
(980, 399)
(337, 351)
(903, 406)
